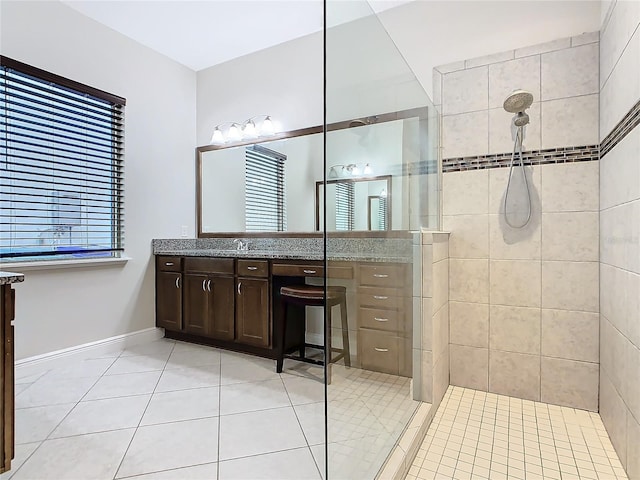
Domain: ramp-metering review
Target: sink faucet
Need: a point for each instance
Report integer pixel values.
(241, 246)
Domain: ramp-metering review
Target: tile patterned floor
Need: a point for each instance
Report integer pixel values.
(172, 410)
(477, 435)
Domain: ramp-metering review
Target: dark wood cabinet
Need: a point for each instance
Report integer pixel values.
(169, 300)
(7, 411)
(253, 326)
(196, 304)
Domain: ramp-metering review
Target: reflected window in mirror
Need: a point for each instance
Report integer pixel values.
(266, 209)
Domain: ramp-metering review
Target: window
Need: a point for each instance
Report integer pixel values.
(345, 196)
(61, 167)
(266, 210)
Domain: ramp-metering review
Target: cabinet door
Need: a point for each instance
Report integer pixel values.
(252, 312)
(7, 408)
(221, 311)
(196, 304)
(169, 300)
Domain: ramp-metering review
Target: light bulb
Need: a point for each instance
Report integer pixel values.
(367, 169)
(332, 173)
(355, 170)
(383, 193)
(234, 132)
(249, 129)
(267, 127)
(217, 136)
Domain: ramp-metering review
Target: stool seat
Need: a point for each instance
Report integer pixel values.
(313, 292)
(315, 296)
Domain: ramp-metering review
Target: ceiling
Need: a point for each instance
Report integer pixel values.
(203, 33)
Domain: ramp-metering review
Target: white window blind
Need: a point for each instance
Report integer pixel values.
(266, 209)
(345, 217)
(61, 167)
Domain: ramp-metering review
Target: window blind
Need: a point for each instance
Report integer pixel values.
(61, 166)
(266, 209)
(345, 217)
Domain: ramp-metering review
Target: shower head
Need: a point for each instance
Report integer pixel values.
(518, 101)
(520, 119)
(357, 123)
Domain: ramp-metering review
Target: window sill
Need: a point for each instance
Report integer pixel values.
(58, 264)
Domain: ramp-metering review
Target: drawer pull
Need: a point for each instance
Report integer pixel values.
(169, 264)
(380, 297)
(177, 282)
(203, 285)
(310, 272)
(208, 285)
(239, 288)
(380, 275)
(378, 319)
(381, 349)
(252, 268)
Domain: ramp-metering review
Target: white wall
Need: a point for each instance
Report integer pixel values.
(61, 308)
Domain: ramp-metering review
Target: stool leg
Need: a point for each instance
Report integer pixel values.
(303, 338)
(345, 333)
(283, 336)
(327, 340)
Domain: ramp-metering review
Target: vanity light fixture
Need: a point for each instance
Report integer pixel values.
(349, 170)
(367, 169)
(254, 127)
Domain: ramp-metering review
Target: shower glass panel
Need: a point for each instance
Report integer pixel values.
(381, 189)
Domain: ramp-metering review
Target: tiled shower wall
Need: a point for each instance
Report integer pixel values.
(620, 232)
(524, 302)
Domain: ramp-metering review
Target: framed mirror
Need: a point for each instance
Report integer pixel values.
(352, 202)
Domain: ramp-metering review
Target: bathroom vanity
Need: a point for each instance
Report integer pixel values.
(231, 299)
(7, 407)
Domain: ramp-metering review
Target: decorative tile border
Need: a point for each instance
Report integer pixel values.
(532, 157)
(630, 121)
(551, 155)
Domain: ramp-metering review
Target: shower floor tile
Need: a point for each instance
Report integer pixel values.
(477, 436)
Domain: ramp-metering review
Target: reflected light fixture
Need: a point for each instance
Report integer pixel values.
(349, 170)
(367, 169)
(254, 127)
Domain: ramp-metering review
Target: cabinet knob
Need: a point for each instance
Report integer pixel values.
(381, 349)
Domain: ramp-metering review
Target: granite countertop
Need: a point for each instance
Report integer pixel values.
(9, 277)
(282, 255)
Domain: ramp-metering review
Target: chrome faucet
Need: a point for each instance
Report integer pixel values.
(241, 246)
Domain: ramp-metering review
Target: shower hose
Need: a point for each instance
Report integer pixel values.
(517, 146)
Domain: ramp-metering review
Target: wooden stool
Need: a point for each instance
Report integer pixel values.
(313, 296)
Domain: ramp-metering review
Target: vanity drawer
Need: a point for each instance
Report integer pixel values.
(209, 265)
(297, 270)
(386, 298)
(382, 275)
(169, 264)
(380, 351)
(378, 319)
(253, 268)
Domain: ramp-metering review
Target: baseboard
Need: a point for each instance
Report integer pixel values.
(58, 358)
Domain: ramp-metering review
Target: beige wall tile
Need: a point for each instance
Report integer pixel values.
(633, 447)
(515, 374)
(616, 34)
(570, 187)
(570, 72)
(515, 282)
(569, 383)
(620, 234)
(440, 247)
(507, 243)
(614, 416)
(632, 382)
(571, 335)
(613, 356)
(585, 38)
(543, 47)
(427, 324)
(469, 280)
(469, 324)
(570, 286)
(440, 332)
(619, 172)
(489, 59)
(498, 179)
(469, 367)
(465, 193)
(437, 88)
(441, 378)
(440, 284)
(465, 134)
(465, 91)
(514, 329)
(469, 235)
(570, 236)
(500, 130)
(570, 121)
(633, 308)
(518, 74)
(615, 299)
(426, 390)
(427, 270)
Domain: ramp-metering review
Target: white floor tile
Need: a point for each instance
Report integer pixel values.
(137, 364)
(311, 417)
(84, 368)
(248, 397)
(193, 357)
(303, 390)
(120, 385)
(86, 457)
(193, 377)
(36, 423)
(55, 391)
(23, 452)
(103, 415)
(182, 405)
(247, 370)
(297, 464)
(171, 445)
(208, 471)
(261, 432)
(160, 347)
